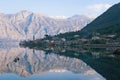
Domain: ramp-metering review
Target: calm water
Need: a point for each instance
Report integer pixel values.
(27, 64)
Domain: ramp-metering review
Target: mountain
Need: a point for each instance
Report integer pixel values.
(107, 23)
(26, 24)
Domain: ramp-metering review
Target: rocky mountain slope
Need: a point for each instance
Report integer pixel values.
(26, 24)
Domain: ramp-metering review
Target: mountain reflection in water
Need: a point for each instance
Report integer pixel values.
(27, 64)
(100, 59)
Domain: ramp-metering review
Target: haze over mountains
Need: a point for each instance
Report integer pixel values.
(26, 24)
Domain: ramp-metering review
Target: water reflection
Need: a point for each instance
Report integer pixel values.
(32, 64)
(101, 59)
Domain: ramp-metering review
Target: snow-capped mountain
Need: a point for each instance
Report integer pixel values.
(26, 24)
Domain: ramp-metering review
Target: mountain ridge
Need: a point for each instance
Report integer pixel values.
(26, 24)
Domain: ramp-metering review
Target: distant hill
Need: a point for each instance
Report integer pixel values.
(107, 23)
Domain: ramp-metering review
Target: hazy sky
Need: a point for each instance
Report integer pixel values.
(57, 7)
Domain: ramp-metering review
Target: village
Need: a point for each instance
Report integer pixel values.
(95, 40)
